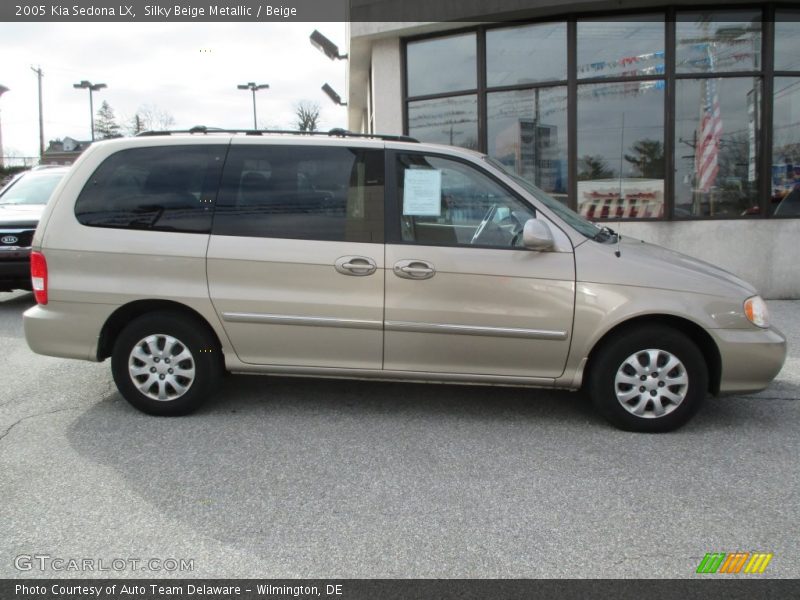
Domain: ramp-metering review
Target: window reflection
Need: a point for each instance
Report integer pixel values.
(527, 131)
(528, 54)
(716, 147)
(469, 208)
(626, 46)
(621, 150)
(452, 121)
(441, 65)
(717, 42)
(787, 40)
(786, 148)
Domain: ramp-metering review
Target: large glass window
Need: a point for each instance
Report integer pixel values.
(452, 121)
(718, 41)
(787, 40)
(440, 65)
(608, 131)
(169, 188)
(621, 150)
(302, 192)
(445, 202)
(527, 132)
(527, 54)
(785, 197)
(717, 127)
(622, 47)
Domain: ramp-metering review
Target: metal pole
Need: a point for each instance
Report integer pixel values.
(39, 76)
(255, 122)
(91, 111)
(3, 89)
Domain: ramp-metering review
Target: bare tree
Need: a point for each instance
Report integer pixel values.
(150, 117)
(307, 114)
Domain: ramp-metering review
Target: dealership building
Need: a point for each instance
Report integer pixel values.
(678, 124)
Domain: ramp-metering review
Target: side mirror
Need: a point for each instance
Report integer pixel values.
(536, 235)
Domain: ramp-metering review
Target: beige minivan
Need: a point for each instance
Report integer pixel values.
(187, 254)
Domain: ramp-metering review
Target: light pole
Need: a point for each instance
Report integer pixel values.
(3, 90)
(92, 87)
(253, 87)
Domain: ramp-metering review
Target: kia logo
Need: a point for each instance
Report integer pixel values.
(9, 239)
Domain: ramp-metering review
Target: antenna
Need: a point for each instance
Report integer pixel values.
(618, 252)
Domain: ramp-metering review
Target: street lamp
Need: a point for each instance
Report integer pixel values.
(3, 90)
(331, 50)
(92, 87)
(337, 99)
(253, 87)
(324, 45)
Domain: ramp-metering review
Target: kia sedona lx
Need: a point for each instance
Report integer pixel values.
(183, 255)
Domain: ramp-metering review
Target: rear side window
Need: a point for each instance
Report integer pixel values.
(302, 192)
(169, 188)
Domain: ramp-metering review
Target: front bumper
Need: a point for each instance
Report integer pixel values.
(15, 268)
(751, 358)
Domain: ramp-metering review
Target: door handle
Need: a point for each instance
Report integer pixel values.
(414, 269)
(355, 265)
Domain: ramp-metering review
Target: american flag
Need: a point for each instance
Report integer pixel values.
(710, 132)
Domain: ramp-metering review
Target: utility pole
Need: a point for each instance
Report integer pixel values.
(39, 76)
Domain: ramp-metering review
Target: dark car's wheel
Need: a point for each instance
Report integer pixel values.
(650, 379)
(166, 363)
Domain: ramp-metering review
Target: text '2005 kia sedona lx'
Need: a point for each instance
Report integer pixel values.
(183, 255)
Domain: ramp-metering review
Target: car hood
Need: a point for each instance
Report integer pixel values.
(22, 214)
(648, 265)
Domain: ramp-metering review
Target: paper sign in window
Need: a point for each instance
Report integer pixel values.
(422, 191)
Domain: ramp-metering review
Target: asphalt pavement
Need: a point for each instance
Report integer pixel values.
(286, 477)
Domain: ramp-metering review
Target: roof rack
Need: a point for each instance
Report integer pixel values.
(336, 132)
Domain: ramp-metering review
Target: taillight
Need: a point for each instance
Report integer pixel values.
(39, 277)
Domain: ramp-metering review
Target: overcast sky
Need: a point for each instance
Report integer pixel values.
(188, 69)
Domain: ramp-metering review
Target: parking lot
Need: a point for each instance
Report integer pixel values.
(284, 477)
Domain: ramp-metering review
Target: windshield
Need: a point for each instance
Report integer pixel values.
(573, 219)
(31, 188)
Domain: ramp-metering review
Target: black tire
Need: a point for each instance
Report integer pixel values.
(602, 384)
(190, 334)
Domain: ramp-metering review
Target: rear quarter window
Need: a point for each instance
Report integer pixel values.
(170, 188)
(302, 192)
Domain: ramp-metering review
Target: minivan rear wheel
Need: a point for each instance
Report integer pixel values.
(166, 363)
(649, 379)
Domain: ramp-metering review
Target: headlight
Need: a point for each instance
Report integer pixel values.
(756, 311)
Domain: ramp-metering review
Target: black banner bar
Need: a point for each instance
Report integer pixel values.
(355, 11)
(394, 589)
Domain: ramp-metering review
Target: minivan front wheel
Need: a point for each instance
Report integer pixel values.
(165, 363)
(650, 379)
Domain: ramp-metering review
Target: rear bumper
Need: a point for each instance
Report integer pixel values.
(751, 358)
(66, 329)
